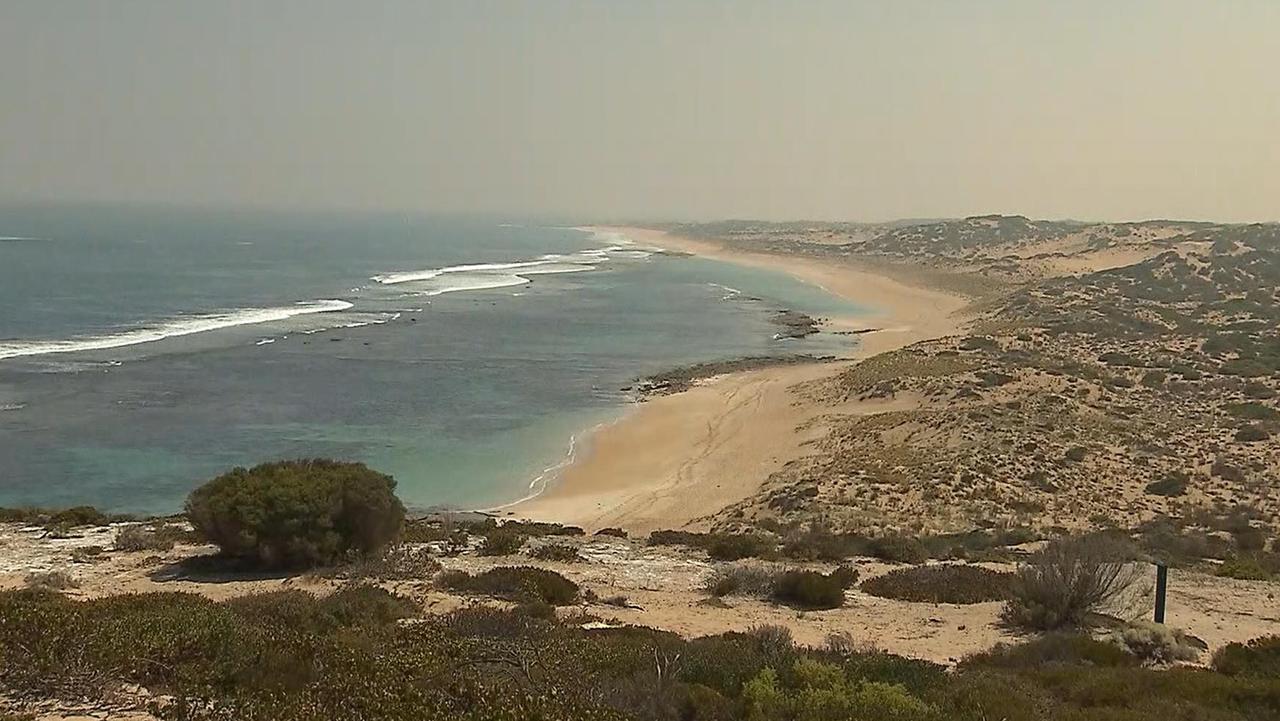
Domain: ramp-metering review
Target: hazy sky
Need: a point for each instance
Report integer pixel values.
(644, 110)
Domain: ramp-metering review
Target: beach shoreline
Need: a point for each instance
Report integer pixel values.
(675, 460)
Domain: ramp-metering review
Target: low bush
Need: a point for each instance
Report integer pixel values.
(502, 542)
(352, 605)
(557, 552)
(1259, 657)
(297, 513)
(516, 583)
(159, 537)
(1252, 411)
(944, 583)
(821, 545)
(720, 546)
(724, 547)
(741, 580)
(809, 590)
(1244, 567)
(73, 517)
(1069, 579)
(399, 562)
(1252, 434)
(1157, 643)
(1170, 485)
(614, 532)
(51, 580)
(899, 549)
(1053, 649)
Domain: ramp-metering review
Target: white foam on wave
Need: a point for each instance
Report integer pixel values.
(171, 329)
(428, 274)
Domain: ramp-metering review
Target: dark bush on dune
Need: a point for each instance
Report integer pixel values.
(944, 583)
(809, 590)
(557, 552)
(516, 583)
(300, 513)
(1259, 657)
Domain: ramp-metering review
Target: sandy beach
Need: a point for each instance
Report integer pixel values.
(675, 460)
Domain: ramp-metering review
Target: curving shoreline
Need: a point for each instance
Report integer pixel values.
(679, 458)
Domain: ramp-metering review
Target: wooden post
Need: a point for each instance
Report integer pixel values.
(1162, 585)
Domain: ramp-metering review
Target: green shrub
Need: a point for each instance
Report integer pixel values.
(74, 517)
(899, 549)
(352, 605)
(517, 583)
(1258, 391)
(724, 547)
(1053, 649)
(398, 562)
(1252, 434)
(809, 590)
(819, 544)
(558, 552)
(1067, 580)
(1259, 657)
(297, 513)
(1171, 485)
(502, 542)
(1157, 643)
(1244, 567)
(161, 537)
(51, 580)
(945, 583)
(741, 580)
(1252, 411)
(720, 546)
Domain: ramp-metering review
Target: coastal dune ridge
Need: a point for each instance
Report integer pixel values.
(676, 460)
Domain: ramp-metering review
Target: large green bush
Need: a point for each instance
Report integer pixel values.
(297, 513)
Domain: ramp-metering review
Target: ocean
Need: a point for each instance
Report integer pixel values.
(144, 351)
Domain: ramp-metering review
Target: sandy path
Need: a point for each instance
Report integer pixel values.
(677, 459)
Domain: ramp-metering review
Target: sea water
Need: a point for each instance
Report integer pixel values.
(143, 351)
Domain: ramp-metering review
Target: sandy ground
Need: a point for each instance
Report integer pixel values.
(678, 459)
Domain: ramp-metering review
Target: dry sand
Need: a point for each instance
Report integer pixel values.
(677, 459)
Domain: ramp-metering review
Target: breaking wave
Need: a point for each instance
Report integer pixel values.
(188, 325)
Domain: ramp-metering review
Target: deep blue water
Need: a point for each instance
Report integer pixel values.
(143, 351)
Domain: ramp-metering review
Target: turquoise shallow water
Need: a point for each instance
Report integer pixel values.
(144, 351)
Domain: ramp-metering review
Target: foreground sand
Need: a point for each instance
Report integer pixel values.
(675, 460)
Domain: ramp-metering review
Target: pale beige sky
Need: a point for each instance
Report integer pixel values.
(646, 110)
